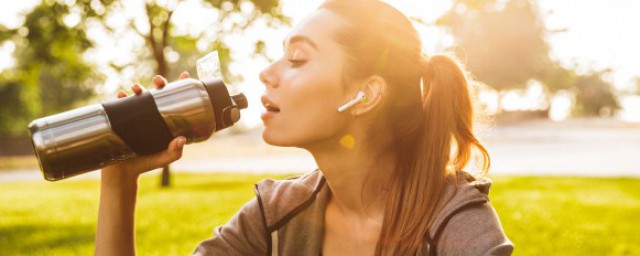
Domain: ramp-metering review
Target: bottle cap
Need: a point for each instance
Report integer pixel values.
(208, 67)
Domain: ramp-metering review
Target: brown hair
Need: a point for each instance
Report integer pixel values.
(427, 111)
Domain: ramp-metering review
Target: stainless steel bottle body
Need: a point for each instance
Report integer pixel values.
(95, 136)
(186, 109)
(72, 142)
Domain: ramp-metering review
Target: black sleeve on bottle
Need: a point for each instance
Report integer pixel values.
(138, 122)
(220, 100)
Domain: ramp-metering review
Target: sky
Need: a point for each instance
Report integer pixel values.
(600, 34)
(597, 35)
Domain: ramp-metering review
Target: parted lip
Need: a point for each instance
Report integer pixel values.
(268, 104)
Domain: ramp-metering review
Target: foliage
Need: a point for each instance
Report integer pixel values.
(541, 215)
(50, 74)
(636, 85)
(503, 42)
(556, 77)
(234, 17)
(595, 95)
(504, 45)
(160, 37)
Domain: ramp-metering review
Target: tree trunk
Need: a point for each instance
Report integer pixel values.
(157, 45)
(166, 182)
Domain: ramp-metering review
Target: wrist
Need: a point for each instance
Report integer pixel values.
(117, 176)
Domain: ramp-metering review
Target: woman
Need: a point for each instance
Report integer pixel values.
(387, 183)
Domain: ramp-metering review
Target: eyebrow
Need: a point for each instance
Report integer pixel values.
(304, 39)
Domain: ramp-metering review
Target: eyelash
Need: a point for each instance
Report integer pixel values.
(297, 63)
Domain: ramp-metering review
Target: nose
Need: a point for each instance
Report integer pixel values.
(269, 77)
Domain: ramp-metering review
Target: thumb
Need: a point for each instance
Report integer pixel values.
(173, 152)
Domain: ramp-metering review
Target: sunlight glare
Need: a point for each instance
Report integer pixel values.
(561, 106)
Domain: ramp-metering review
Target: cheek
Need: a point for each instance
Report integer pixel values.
(309, 112)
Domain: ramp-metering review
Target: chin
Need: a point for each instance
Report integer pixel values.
(274, 139)
(282, 139)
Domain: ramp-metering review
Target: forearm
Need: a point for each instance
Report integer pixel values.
(115, 234)
(119, 187)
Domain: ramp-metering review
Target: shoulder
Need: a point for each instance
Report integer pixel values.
(279, 198)
(468, 224)
(248, 231)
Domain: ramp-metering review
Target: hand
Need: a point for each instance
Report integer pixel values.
(158, 82)
(131, 168)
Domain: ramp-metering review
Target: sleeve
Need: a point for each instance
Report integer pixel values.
(244, 234)
(474, 231)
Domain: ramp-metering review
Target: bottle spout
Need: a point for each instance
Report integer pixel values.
(240, 100)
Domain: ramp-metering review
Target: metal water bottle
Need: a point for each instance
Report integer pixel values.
(91, 137)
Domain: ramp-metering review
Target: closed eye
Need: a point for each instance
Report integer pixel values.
(297, 63)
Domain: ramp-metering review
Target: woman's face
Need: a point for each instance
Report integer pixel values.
(303, 88)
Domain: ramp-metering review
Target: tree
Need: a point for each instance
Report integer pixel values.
(52, 75)
(160, 38)
(595, 96)
(503, 42)
(636, 88)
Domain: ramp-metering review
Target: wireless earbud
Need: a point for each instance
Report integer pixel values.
(359, 98)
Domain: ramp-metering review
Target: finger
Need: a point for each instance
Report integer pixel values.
(159, 81)
(122, 94)
(184, 75)
(177, 144)
(137, 89)
(174, 152)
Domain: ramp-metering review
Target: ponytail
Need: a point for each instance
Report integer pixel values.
(415, 197)
(425, 122)
(447, 99)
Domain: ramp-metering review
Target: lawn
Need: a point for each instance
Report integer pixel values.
(541, 215)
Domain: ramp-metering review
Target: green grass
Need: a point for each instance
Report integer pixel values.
(541, 215)
(569, 216)
(28, 162)
(59, 218)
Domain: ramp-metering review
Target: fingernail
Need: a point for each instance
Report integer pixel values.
(181, 142)
(158, 79)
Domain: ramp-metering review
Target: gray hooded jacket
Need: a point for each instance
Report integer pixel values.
(287, 218)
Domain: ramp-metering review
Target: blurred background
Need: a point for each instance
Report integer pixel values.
(560, 97)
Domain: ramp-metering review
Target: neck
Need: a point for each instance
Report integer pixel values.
(356, 177)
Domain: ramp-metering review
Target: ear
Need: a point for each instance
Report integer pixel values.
(373, 87)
